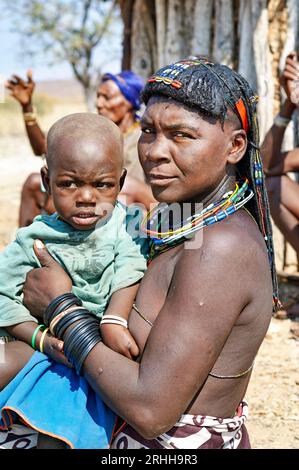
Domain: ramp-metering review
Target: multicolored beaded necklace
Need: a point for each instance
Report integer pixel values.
(215, 212)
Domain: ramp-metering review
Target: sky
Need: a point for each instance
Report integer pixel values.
(13, 61)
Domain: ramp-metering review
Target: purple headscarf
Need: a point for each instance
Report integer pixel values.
(129, 84)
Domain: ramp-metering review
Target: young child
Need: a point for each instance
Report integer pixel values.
(87, 236)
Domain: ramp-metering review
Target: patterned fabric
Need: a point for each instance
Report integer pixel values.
(19, 437)
(193, 432)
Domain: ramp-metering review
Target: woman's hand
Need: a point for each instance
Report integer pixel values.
(20, 89)
(43, 284)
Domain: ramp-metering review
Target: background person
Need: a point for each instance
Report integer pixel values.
(283, 191)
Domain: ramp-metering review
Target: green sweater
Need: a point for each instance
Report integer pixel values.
(99, 262)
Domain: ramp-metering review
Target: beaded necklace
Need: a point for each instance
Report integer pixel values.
(214, 212)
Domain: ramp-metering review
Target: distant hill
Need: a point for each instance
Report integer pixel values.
(62, 89)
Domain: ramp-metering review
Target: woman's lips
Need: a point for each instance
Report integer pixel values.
(160, 180)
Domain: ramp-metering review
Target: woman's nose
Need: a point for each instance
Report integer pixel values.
(158, 150)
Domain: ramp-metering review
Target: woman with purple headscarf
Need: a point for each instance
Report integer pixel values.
(118, 99)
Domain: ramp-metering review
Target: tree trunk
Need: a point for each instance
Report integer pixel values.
(201, 41)
(223, 45)
(143, 40)
(89, 96)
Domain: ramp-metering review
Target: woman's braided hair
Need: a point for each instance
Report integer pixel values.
(211, 89)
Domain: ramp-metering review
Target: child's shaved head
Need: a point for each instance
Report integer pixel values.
(83, 128)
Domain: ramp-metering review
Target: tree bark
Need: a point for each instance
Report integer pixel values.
(223, 45)
(201, 40)
(161, 20)
(143, 40)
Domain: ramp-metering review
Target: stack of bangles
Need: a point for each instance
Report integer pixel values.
(63, 312)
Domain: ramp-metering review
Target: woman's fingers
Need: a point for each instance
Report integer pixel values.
(43, 255)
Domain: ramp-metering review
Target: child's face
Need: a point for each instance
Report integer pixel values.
(84, 179)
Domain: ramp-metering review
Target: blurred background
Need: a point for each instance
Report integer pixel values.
(69, 44)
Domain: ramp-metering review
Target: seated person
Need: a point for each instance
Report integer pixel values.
(283, 192)
(86, 236)
(205, 303)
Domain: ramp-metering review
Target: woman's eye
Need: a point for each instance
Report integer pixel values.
(183, 135)
(147, 130)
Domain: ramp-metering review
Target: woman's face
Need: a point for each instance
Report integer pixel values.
(184, 156)
(111, 103)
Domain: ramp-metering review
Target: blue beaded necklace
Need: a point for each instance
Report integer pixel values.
(160, 241)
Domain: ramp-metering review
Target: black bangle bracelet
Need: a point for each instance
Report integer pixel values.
(80, 340)
(79, 345)
(64, 306)
(70, 334)
(78, 357)
(97, 339)
(67, 320)
(78, 332)
(55, 303)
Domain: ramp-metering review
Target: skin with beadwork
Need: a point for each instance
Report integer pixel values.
(202, 310)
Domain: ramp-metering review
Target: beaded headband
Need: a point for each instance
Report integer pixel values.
(169, 76)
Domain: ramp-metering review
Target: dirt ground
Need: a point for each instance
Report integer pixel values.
(274, 388)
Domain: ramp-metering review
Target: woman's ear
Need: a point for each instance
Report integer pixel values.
(45, 179)
(238, 146)
(122, 178)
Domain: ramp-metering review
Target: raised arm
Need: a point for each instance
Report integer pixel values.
(22, 91)
(275, 161)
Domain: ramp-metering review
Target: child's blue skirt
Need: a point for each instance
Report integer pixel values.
(54, 400)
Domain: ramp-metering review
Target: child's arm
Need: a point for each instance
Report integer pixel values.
(52, 346)
(14, 316)
(118, 337)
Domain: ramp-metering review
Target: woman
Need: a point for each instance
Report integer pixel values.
(204, 304)
(284, 191)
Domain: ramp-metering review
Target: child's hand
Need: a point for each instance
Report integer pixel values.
(119, 339)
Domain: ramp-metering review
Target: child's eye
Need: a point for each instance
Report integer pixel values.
(103, 185)
(67, 184)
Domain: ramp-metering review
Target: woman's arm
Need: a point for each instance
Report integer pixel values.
(275, 161)
(183, 345)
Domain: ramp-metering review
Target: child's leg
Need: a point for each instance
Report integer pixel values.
(13, 357)
(48, 442)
